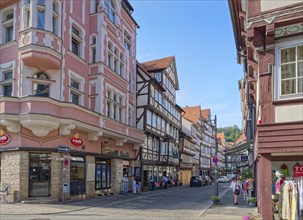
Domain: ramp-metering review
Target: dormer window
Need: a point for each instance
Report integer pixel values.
(110, 10)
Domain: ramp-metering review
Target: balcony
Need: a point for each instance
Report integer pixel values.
(40, 49)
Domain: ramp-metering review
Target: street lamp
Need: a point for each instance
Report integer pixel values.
(215, 161)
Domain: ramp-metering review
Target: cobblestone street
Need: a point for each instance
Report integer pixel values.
(174, 203)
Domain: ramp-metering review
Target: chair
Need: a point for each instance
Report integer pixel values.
(4, 193)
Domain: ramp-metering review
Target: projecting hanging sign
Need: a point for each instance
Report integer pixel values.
(4, 138)
(298, 170)
(76, 140)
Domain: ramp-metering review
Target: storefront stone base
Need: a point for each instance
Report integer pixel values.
(14, 174)
(116, 174)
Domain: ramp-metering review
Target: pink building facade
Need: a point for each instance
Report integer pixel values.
(67, 83)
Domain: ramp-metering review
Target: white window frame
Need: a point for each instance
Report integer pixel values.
(79, 38)
(7, 23)
(93, 50)
(115, 105)
(80, 92)
(284, 44)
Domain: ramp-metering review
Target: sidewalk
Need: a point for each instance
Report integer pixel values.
(226, 210)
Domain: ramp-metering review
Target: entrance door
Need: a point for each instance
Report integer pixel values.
(39, 174)
(77, 176)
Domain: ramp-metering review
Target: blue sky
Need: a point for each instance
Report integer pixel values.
(199, 34)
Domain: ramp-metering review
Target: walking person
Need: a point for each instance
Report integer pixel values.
(134, 184)
(164, 181)
(235, 188)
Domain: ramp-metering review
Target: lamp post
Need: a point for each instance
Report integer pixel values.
(216, 155)
(216, 164)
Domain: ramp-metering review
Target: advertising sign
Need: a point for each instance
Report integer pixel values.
(4, 138)
(298, 171)
(76, 140)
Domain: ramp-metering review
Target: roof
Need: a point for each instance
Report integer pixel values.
(192, 113)
(221, 136)
(205, 113)
(158, 64)
(240, 139)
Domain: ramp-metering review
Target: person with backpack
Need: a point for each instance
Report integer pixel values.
(235, 188)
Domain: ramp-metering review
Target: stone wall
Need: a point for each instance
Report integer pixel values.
(56, 177)
(90, 176)
(116, 174)
(14, 173)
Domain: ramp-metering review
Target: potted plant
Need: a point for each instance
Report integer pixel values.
(215, 199)
(252, 202)
(249, 216)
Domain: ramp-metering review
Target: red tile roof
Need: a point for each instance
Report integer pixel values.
(192, 113)
(205, 113)
(158, 64)
(242, 139)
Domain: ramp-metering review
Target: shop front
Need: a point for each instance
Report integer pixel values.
(39, 174)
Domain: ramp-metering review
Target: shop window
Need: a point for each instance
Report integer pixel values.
(77, 175)
(102, 175)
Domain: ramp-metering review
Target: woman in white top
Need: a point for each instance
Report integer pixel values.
(234, 188)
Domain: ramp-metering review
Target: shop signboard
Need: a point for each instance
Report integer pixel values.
(76, 140)
(298, 170)
(244, 158)
(4, 138)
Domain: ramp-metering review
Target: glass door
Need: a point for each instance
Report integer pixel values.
(77, 176)
(39, 174)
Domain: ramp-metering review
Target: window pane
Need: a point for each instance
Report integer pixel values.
(300, 68)
(288, 70)
(8, 75)
(288, 55)
(41, 90)
(288, 87)
(41, 15)
(75, 46)
(9, 34)
(74, 84)
(300, 52)
(8, 90)
(75, 31)
(74, 98)
(41, 2)
(300, 85)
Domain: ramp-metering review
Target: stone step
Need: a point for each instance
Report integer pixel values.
(38, 200)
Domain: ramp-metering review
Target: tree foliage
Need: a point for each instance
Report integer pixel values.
(232, 133)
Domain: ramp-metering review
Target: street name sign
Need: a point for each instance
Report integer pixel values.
(63, 149)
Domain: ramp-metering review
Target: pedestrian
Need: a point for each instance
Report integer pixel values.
(235, 188)
(138, 184)
(164, 181)
(134, 185)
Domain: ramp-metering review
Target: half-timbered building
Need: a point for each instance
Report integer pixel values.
(160, 118)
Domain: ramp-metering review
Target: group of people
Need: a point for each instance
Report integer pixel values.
(136, 183)
(238, 187)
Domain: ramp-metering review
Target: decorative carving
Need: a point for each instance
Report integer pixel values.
(12, 126)
(289, 29)
(93, 136)
(120, 142)
(40, 128)
(66, 129)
